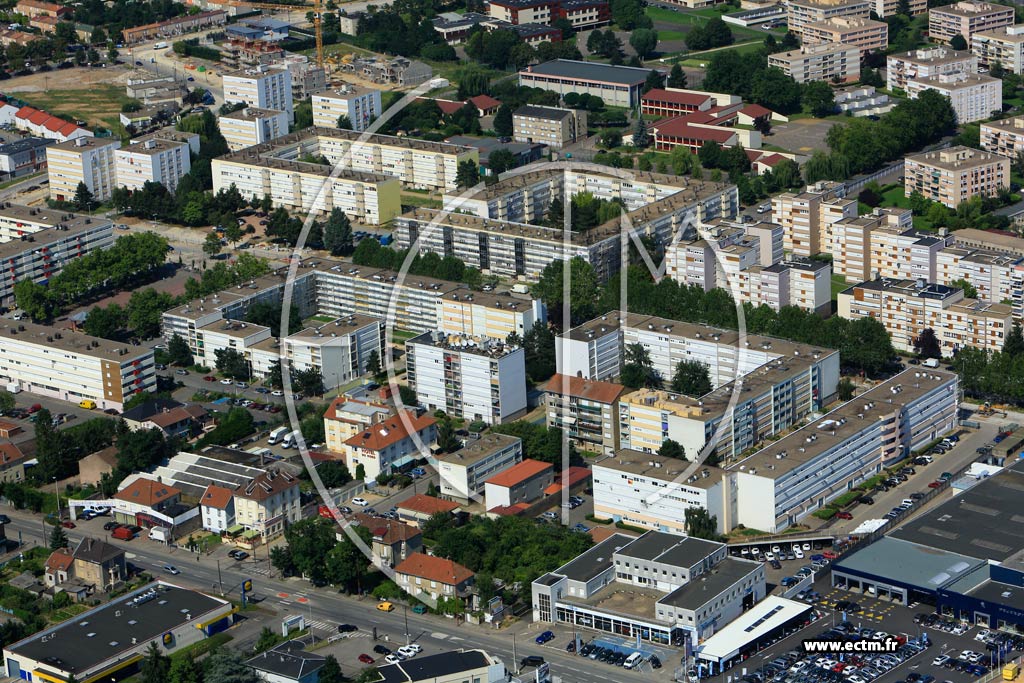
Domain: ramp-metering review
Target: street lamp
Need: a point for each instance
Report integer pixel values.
(56, 491)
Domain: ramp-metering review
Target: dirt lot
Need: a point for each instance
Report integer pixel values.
(87, 94)
(802, 136)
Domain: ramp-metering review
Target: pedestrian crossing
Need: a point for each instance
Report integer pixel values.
(327, 626)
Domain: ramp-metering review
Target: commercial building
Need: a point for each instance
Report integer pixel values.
(953, 175)
(287, 663)
(476, 378)
(587, 411)
(1004, 137)
(675, 102)
(152, 161)
(72, 366)
(771, 619)
(837, 63)
(800, 13)
(618, 86)
(927, 63)
(86, 160)
(1004, 45)
(866, 34)
(391, 444)
(118, 635)
(965, 19)
(446, 667)
(23, 157)
(265, 168)
(263, 87)
(974, 96)
(907, 307)
(464, 472)
(518, 485)
(361, 106)
(660, 587)
(805, 216)
(551, 126)
(266, 506)
(252, 126)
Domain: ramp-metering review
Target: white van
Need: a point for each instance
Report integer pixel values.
(290, 440)
(277, 435)
(633, 661)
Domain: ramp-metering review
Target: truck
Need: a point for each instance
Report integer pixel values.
(123, 533)
(1011, 671)
(13, 387)
(521, 288)
(160, 46)
(277, 435)
(160, 533)
(930, 362)
(291, 440)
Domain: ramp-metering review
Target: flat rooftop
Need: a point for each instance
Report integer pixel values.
(954, 81)
(621, 598)
(658, 467)
(85, 143)
(465, 343)
(258, 154)
(932, 55)
(152, 146)
(710, 585)
(909, 563)
(478, 449)
(955, 158)
(595, 560)
(761, 619)
(79, 644)
(252, 114)
(338, 326)
(72, 342)
(589, 71)
(972, 9)
(681, 551)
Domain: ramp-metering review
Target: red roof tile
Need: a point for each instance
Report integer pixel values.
(684, 98)
(434, 569)
(427, 505)
(67, 129)
(485, 102)
(9, 454)
(391, 431)
(449, 107)
(147, 492)
(39, 118)
(216, 497)
(60, 560)
(593, 390)
(756, 111)
(267, 485)
(517, 474)
(25, 112)
(678, 128)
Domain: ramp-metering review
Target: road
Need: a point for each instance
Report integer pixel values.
(295, 595)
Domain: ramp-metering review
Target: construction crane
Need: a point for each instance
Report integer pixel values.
(317, 21)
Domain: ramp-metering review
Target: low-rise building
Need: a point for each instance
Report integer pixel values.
(361, 106)
(433, 577)
(12, 463)
(521, 484)
(838, 63)
(974, 96)
(965, 19)
(266, 505)
(345, 418)
(618, 86)
(217, 507)
(581, 14)
(867, 34)
(23, 157)
(464, 471)
(952, 176)
(99, 564)
(287, 663)
(927, 63)
(552, 126)
(391, 444)
(862, 100)
(252, 126)
(446, 667)
(417, 509)
(587, 411)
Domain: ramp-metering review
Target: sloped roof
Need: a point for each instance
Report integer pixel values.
(267, 485)
(690, 99)
(390, 431)
(59, 560)
(434, 569)
(96, 551)
(147, 492)
(427, 505)
(517, 474)
(593, 390)
(216, 497)
(9, 454)
(485, 102)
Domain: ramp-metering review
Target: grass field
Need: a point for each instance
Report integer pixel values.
(699, 60)
(697, 18)
(99, 105)
(839, 283)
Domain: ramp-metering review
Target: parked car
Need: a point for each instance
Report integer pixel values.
(365, 658)
(379, 649)
(544, 637)
(361, 502)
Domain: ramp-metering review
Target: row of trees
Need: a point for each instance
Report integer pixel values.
(996, 377)
(58, 452)
(369, 252)
(139, 319)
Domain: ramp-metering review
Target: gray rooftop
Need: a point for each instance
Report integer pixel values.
(477, 449)
(681, 551)
(288, 660)
(909, 563)
(596, 560)
(710, 585)
(445, 665)
(591, 71)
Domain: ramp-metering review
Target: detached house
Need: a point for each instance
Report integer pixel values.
(217, 506)
(434, 577)
(265, 506)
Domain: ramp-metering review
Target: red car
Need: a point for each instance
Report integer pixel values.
(68, 524)
(209, 378)
(844, 515)
(830, 555)
(365, 658)
(935, 484)
(35, 408)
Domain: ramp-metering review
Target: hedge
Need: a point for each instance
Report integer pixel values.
(826, 513)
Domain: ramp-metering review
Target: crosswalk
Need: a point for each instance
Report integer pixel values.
(327, 626)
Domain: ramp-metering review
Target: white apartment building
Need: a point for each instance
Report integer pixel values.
(252, 126)
(464, 472)
(974, 96)
(906, 307)
(803, 283)
(73, 367)
(86, 160)
(805, 216)
(849, 241)
(267, 505)
(965, 19)
(831, 62)
(360, 105)
(953, 175)
(1004, 45)
(998, 278)
(476, 378)
(867, 34)
(263, 87)
(1004, 137)
(927, 63)
(899, 253)
(154, 160)
(800, 13)
(339, 349)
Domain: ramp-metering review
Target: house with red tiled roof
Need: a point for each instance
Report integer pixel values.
(389, 444)
(522, 483)
(47, 126)
(59, 567)
(266, 505)
(392, 541)
(434, 577)
(217, 506)
(420, 508)
(149, 493)
(586, 410)
(573, 478)
(12, 463)
(485, 104)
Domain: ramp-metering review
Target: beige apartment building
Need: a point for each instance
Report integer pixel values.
(974, 97)
(586, 410)
(1004, 45)
(925, 63)
(831, 62)
(360, 105)
(887, 8)
(800, 13)
(867, 34)
(82, 160)
(152, 161)
(966, 18)
(849, 240)
(906, 307)
(267, 505)
(551, 126)
(1004, 137)
(954, 175)
(252, 126)
(263, 87)
(804, 216)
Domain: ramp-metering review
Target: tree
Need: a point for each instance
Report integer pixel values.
(344, 122)
(178, 351)
(107, 323)
(927, 345)
(360, 472)
(644, 41)
(7, 401)
(468, 174)
(1013, 346)
(211, 245)
(655, 79)
(638, 370)
(692, 378)
(447, 440)
(501, 160)
(330, 672)
(333, 473)
(155, 666)
(672, 449)
(539, 345)
(35, 300)
(818, 99)
(958, 42)
(701, 524)
(338, 233)
(503, 121)
(84, 201)
(640, 137)
(583, 289)
(233, 233)
(373, 365)
(677, 77)
(845, 389)
(232, 363)
(226, 665)
(309, 382)
(715, 33)
(185, 669)
(970, 291)
(58, 538)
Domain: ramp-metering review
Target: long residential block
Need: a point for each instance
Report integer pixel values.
(927, 63)
(974, 96)
(800, 13)
(1004, 45)
(833, 62)
(965, 19)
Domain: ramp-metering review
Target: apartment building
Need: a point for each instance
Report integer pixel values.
(391, 444)
(848, 241)
(998, 278)
(587, 411)
(800, 13)
(23, 157)
(339, 349)
(927, 63)
(476, 378)
(306, 187)
(800, 282)
(904, 253)
(267, 505)
(1004, 45)
(252, 126)
(73, 367)
(581, 14)
(1004, 137)
(831, 62)
(434, 578)
(307, 77)
(360, 105)
(887, 8)
(805, 216)
(551, 126)
(906, 307)
(952, 176)
(347, 417)
(867, 34)
(263, 87)
(86, 160)
(618, 86)
(464, 472)
(965, 19)
(152, 161)
(974, 96)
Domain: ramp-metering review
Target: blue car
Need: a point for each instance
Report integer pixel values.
(545, 637)
(419, 472)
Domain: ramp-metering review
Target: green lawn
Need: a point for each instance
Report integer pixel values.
(697, 18)
(892, 195)
(700, 59)
(839, 284)
(99, 105)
